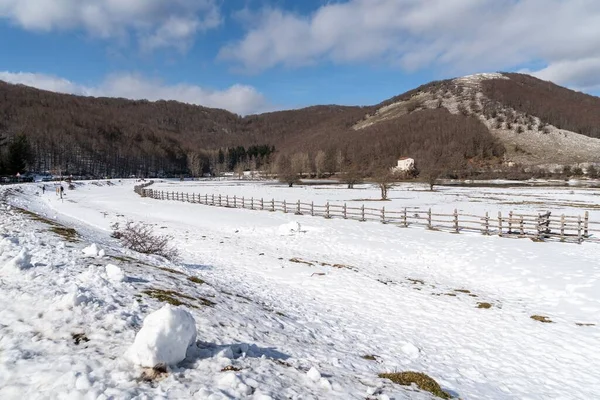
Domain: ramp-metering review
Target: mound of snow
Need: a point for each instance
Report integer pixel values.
(93, 251)
(289, 228)
(21, 262)
(165, 338)
(114, 273)
(313, 374)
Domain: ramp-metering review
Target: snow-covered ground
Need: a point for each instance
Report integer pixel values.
(295, 312)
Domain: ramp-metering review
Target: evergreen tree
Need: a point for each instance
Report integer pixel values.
(19, 155)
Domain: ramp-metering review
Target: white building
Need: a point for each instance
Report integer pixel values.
(405, 164)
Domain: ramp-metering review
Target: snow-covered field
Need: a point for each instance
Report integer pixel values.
(295, 312)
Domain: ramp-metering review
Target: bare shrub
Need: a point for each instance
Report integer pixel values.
(140, 237)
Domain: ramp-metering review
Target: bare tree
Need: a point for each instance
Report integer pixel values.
(431, 176)
(239, 171)
(320, 160)
(194, 163)
(300, 162)
(351, 175)
(286, 171)
(385, 180)
(141, 238)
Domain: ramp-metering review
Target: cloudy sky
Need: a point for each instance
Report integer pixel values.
(251, 56)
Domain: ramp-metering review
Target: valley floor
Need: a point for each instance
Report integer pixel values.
(276, 303)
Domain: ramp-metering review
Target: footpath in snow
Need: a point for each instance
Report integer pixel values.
(283, 306)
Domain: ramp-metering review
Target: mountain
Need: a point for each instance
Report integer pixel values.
(452, 124)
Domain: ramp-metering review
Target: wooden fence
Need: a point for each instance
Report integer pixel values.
(539, 227)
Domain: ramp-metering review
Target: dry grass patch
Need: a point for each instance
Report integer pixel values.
(169, 296)
(462, 291)
(415, 281)
(197, 280)
(78, 338)
(69, 234)
(423, 382)
(484, 305)
(369, 357)
(231, 368)
(584, 324)
(157, 373)
(169, 270)
(300, 261)
(541, 318)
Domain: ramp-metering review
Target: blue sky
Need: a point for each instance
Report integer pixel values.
(258, 55)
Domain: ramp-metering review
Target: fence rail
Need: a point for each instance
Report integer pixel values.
(540, 227)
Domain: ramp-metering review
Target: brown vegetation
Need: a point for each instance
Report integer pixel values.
(555, 105)
(423, 382)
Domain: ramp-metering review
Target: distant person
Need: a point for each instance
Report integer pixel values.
(43, 189)
(62, 189)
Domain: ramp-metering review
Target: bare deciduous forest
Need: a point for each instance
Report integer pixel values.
(118, 137)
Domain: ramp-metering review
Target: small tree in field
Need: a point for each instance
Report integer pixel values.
(286, 172)
(385, 180)
(351, 175)
(592, 172)
(431, 177)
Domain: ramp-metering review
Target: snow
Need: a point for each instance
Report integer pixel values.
(93, 251)
(114, 273)
(314, 374)
(290, 228)
(165, 338)
(265, 322)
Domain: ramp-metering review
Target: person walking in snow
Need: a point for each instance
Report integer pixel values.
(62, 189)
(43, 189)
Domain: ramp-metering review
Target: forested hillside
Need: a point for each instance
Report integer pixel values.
(443, 125)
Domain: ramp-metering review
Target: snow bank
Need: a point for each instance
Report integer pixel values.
(165, 337)
(21, 262)
(289, 228)
(93, 251)
(114, 273)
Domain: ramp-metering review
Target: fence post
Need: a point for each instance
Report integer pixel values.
(221, 201)
(539, 227)
(312, 208)
(298, 208)
(500, 223)
(404, 218)
(212, 203)
(234, 201)
(272, 204)
(586, 220)
(243, 202)
(262, 204)
(327, 210)
(284, 207)
(429, 224)
(562, 228)
(345, 214)
(383, 215)
(187, 197)
(252, 203)
(579, 238)
(456, 220)
(226, 199)
(521, 225)
(510, 217)
(206, 199)
(362, 211)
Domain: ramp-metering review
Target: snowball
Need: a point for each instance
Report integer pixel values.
(21, 262)
(314, 374)
(101, 253)
(289, 228)
(91, 251)
(114, 273)
(411, 351)
(166, 336)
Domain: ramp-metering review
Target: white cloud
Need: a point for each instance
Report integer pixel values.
(156, 23)
(457, 35)
(240, 99)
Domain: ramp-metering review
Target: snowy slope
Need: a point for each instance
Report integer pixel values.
(409, 297)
